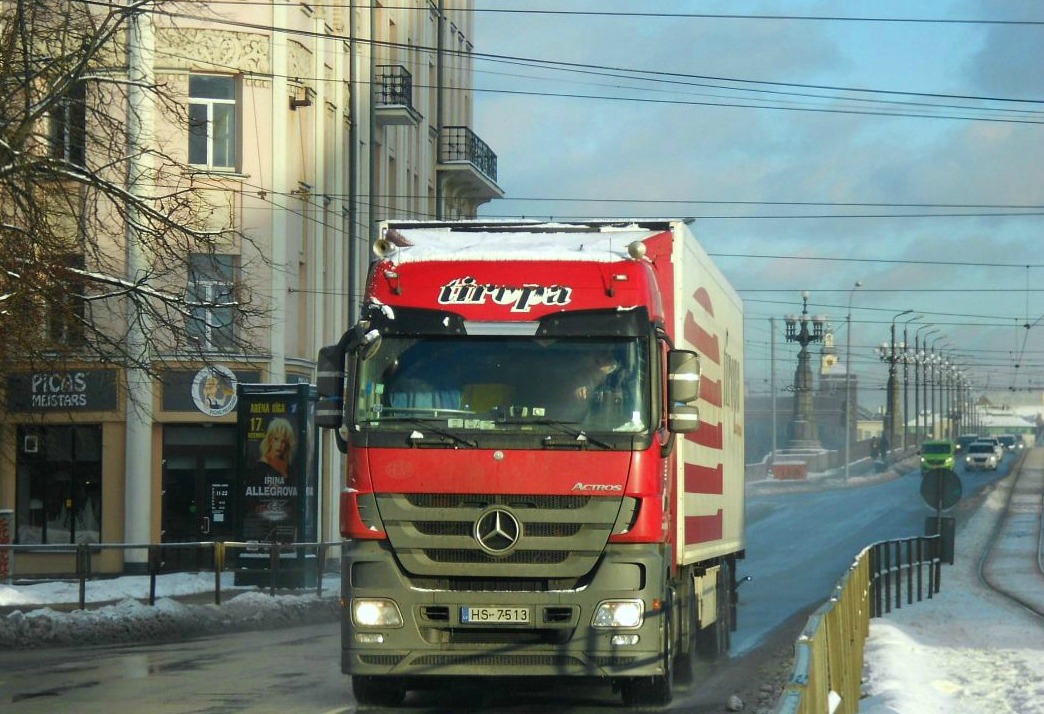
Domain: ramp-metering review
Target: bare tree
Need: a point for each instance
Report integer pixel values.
(66, 209)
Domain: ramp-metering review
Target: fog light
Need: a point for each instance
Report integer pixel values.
(619, 613)
(375, 613)
(369, 638)
(624, 639)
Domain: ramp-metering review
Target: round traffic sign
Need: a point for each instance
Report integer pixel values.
(941, 489)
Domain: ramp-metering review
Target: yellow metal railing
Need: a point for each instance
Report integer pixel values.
(828, 655)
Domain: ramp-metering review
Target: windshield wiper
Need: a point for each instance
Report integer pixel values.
(416, 438)
(569, 428)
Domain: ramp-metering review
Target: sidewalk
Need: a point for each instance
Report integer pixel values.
(970, 649)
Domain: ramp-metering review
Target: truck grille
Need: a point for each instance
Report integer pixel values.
(459, 500)
(543, 557)
(478, 660)
(559, 537)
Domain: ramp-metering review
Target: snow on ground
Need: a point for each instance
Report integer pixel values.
(968, 650)
(33, 620)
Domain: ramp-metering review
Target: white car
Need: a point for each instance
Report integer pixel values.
(998, 447)
(981, 455)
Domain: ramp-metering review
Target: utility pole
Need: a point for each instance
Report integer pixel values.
(141, 47)
(849, 406)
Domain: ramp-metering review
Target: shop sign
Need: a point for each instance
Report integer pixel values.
(214, 390)
(80, 390)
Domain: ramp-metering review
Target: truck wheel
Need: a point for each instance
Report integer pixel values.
(653, 692)
(713, 641)
(685, 664)
(378, 691)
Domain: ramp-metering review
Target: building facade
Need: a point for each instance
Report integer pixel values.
(298, 127)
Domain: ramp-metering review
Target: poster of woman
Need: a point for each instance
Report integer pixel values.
(271, 492)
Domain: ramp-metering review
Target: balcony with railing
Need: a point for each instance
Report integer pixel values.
(393, 96)
(467, 164)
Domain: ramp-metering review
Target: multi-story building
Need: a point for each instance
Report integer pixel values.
(305, 125)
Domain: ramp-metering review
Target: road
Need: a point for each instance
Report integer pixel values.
(800, 541)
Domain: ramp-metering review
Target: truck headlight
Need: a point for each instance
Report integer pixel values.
(372, 612)
(619, 613)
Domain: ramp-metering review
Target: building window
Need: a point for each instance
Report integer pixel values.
(69, 126)
(212, 121)
(210, 295)
(66, 305)
(59, 484)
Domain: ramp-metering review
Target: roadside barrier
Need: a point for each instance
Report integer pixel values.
(828, 654)
(272, 565)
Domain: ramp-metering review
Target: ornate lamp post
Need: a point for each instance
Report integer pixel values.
(888, 353)
(802, 424)
(849, 406)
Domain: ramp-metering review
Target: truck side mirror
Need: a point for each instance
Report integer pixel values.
(683, 418)
(683, 376)
(683, 387)
(329, 412)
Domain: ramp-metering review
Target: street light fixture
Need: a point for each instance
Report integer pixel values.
(936, 363)
(887, 353)
(921, 376)
(804, 330)
(848, 377)
(906, 394)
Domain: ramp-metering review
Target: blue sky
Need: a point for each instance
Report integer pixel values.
(644, 118)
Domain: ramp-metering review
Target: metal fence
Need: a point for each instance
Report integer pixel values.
(828, 655)
(273, 565)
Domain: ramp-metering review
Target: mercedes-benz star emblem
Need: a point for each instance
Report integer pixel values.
(497, 531)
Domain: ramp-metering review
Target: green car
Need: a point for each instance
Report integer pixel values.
(937, 454)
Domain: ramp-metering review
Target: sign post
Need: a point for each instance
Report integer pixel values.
(941, 489)
(277, 494)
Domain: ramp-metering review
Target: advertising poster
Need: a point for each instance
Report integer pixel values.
(277, 493)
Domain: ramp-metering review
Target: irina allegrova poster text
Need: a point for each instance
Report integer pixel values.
(276, 493)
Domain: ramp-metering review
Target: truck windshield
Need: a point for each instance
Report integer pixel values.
(505, 383)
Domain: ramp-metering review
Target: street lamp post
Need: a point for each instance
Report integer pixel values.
(887, 353)
(802, 424)
(849, 407)
(937, 364)
(944, 398)
(919, 370)
(906, 382)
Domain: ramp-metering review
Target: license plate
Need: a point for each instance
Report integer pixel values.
(495, 615)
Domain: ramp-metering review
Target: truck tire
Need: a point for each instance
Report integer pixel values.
(686, 663)
(378, 691)
(648, 693)
(713, 641)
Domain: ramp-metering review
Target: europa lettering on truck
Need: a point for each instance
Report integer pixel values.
(543, 429)
(465, 291)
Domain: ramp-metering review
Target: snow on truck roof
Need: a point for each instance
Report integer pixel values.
(443, 244)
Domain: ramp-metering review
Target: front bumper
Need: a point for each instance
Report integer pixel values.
(559, 639)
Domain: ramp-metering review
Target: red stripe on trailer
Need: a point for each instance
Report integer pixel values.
(704, 479)
(709, 435)
(702, 297)
(710, 391)
(703, 529)
(704, 342)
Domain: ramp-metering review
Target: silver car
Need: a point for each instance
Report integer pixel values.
(981, 455)
(998, 447)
